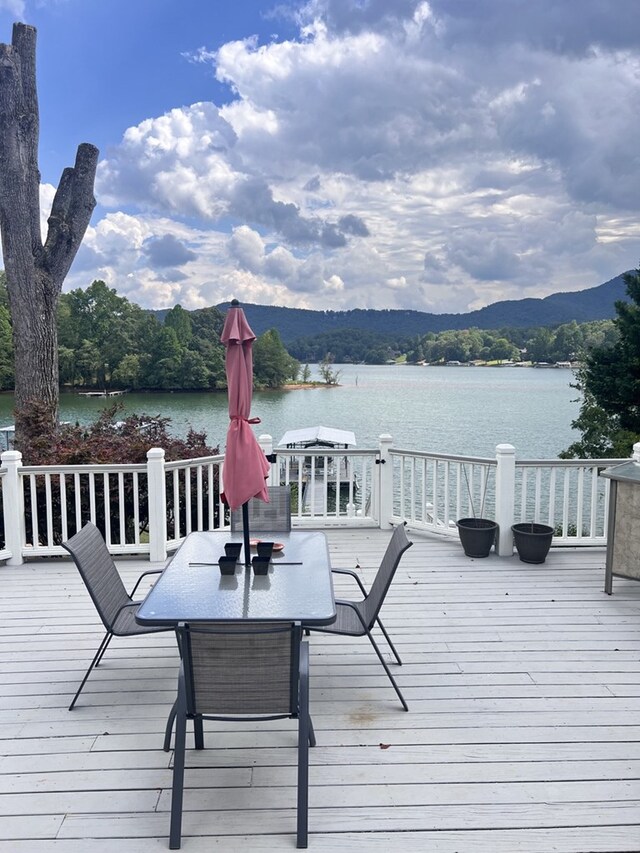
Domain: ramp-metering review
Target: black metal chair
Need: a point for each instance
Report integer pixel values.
(357, 618)
(247, 672)
(266, 517)
(115, 606)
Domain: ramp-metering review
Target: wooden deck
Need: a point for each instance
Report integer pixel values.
(523, 733)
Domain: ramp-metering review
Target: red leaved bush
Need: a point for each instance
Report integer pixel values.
(123, 499)
(107, 440)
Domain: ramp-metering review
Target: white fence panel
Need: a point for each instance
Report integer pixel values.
(58, 500)
(193, 488)
(567, 494)
(432, 490)
(329, 487)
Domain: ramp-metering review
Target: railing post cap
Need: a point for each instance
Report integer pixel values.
(265, 437)
(11, 456)
(386, 437)
(505, 449)
(155, 453)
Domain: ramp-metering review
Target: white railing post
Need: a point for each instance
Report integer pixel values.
(505, 497)
(13, 505)
(636, 452)
(384, 502)
(157, 505)
(266, 443)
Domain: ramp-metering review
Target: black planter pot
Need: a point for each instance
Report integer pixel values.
(477, 535)
(532, 541)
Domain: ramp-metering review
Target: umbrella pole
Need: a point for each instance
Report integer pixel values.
(245, 533)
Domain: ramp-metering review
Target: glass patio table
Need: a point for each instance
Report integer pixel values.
(297, 588)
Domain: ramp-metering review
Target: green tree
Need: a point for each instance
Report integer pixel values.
(108, 321)
(273, 367)
(179, 320)
(377, 355)
(192, 371)
(609, 418)
(502, 349)
(6, 350)
(567, 342)
(206, 325)
(66, 365)
(164, 361)
(128, 373)
(540, 346)
(6, 342)
(88, 363)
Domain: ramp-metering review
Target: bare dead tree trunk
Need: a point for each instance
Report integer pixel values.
(35, 272)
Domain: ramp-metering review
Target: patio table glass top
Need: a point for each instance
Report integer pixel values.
(297, 588)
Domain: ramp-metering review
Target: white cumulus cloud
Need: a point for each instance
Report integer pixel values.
(395, 153)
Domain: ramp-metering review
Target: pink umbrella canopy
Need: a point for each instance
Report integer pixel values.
(245, 465)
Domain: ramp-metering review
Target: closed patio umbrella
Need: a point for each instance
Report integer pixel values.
(245, 465)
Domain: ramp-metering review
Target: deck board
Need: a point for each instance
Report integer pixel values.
(523, 734)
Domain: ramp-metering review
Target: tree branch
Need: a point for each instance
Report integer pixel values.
(71, 212)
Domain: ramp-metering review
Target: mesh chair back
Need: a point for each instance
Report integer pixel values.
(398, 544)
(99, 572)
(266, 517)
(240, 670)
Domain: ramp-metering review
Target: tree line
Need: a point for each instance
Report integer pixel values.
(566, 342)
(106, 342)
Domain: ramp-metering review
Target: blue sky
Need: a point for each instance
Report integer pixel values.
(436, 155)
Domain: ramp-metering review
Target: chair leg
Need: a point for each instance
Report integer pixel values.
(96, 660)
(388, 639)
(388, 671)
(104, 648)
(198, 732)
(172, 712)
(304, 736)
(177, 785)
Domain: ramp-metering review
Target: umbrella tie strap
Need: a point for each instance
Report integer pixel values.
(248, 420)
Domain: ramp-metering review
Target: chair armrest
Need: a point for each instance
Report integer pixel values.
(353, 575)
(143, 575)
(354, 606)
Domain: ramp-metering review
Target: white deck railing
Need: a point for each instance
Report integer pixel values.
(432, 490)
(149, 508)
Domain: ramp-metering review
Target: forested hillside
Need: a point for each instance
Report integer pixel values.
(567, 342)
(595, 303)
(107, 342)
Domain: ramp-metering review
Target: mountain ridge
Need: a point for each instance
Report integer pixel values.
(593, 303)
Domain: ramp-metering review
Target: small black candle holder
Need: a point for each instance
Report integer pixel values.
(232, 549)
(260, 565)
(228, 565)
(265, 549)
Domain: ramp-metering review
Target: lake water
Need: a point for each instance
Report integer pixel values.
(464, 410)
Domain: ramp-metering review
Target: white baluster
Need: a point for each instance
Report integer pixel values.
(505, 497)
